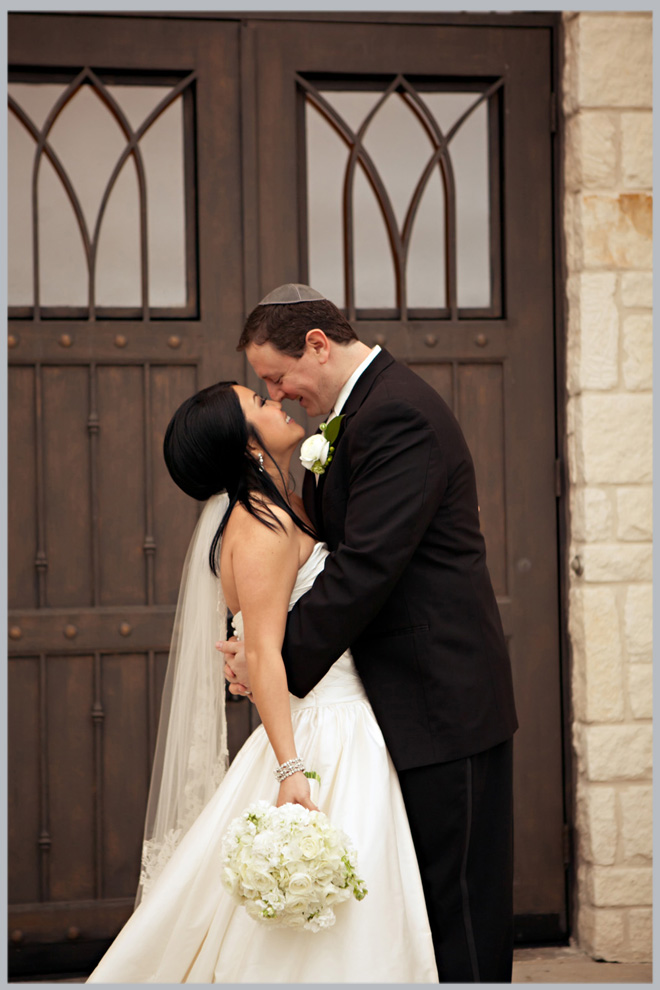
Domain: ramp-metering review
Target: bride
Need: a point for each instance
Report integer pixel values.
(254, 549)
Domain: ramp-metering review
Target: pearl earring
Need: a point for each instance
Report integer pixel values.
(260, 456)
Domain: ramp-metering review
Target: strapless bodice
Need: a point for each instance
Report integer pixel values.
(341, 684)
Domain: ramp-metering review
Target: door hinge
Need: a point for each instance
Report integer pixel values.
(559, 479)
(553, 113)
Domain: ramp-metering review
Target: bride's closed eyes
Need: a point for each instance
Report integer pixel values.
(279, 432)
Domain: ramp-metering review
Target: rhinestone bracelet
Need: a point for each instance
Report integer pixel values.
(286, 769)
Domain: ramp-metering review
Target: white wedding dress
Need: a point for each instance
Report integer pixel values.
(189, 930)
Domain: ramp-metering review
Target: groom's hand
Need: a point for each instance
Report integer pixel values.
(236, 670)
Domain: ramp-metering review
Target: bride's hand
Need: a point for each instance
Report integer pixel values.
(236, 669)
(295, 790)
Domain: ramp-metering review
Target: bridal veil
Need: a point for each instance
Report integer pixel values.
(191, 747)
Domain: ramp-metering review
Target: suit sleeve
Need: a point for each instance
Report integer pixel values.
(397, 481)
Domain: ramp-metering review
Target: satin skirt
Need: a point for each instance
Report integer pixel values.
(189, 930)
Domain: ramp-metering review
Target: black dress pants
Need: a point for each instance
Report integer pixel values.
(461, 819)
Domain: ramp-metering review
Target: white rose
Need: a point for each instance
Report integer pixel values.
(295, 903)
(300, 883)
(314, 453)
(255, 879)
(324, 873)
(310, 845)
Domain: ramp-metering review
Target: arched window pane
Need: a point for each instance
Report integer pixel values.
(405, 138)
(62, 263)
(118, 279)
(162, 149)
(326, 163)
(374, 271)
(469, 156)
(426, 276)
(163, 156)
(89, 141)
(19, 219)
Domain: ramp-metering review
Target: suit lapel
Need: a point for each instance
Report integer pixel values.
(362, 387)
(313, 492)
(359, 392)
(364, 384)
(309, 498)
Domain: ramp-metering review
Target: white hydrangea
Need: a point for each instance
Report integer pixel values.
(289, 866)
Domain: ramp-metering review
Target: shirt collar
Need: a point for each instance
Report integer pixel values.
(347, 388)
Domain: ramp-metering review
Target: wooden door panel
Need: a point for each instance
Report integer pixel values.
(98, 529)
(21, 467)
(69, 869)
(480, 411)
(174, 514)
(23, 779)
(125, 692)
(64, 497)
(121, 495)
(497, 372)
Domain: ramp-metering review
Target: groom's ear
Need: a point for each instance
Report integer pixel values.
(318, 344)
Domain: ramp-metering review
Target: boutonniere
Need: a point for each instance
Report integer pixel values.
(316, 451)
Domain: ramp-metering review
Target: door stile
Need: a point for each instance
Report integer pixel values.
(98, 717)
(41, 560)
(149, 541)
(93, 427)
(45, 840)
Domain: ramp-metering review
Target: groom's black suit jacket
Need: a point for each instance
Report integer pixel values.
(406, 587)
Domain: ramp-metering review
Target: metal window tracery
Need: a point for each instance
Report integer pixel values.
(90, 238)
(399, 236)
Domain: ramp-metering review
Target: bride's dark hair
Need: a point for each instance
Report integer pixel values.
(206, 452)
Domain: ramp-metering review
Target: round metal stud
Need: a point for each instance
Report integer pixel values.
(125, 629)
(577, 566)
(12, 340)
(120, 340)
(174, 342)
(481, 340)
(73, 933)
(16, 936)
(380, 338)
(66, 340)
(524, 565)
(70, 631)
(430, 340)
(15, 632)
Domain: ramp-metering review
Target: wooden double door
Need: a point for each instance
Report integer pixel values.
(165, 172)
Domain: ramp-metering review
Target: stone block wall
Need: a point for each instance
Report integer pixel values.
(607, 220)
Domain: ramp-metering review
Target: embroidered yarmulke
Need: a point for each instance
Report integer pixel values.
(292, 292)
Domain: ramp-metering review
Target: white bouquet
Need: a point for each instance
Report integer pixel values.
(289, 866)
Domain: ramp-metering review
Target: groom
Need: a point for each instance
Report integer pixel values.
(407, 588)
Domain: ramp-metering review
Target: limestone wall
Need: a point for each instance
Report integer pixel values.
(607, 217)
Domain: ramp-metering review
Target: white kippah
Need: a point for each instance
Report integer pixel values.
(292, 292)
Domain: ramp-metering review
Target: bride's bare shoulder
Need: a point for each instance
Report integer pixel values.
(245, 528)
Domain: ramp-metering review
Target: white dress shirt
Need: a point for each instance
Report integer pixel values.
(347, 388)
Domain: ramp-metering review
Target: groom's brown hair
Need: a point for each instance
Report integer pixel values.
(285, 325)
